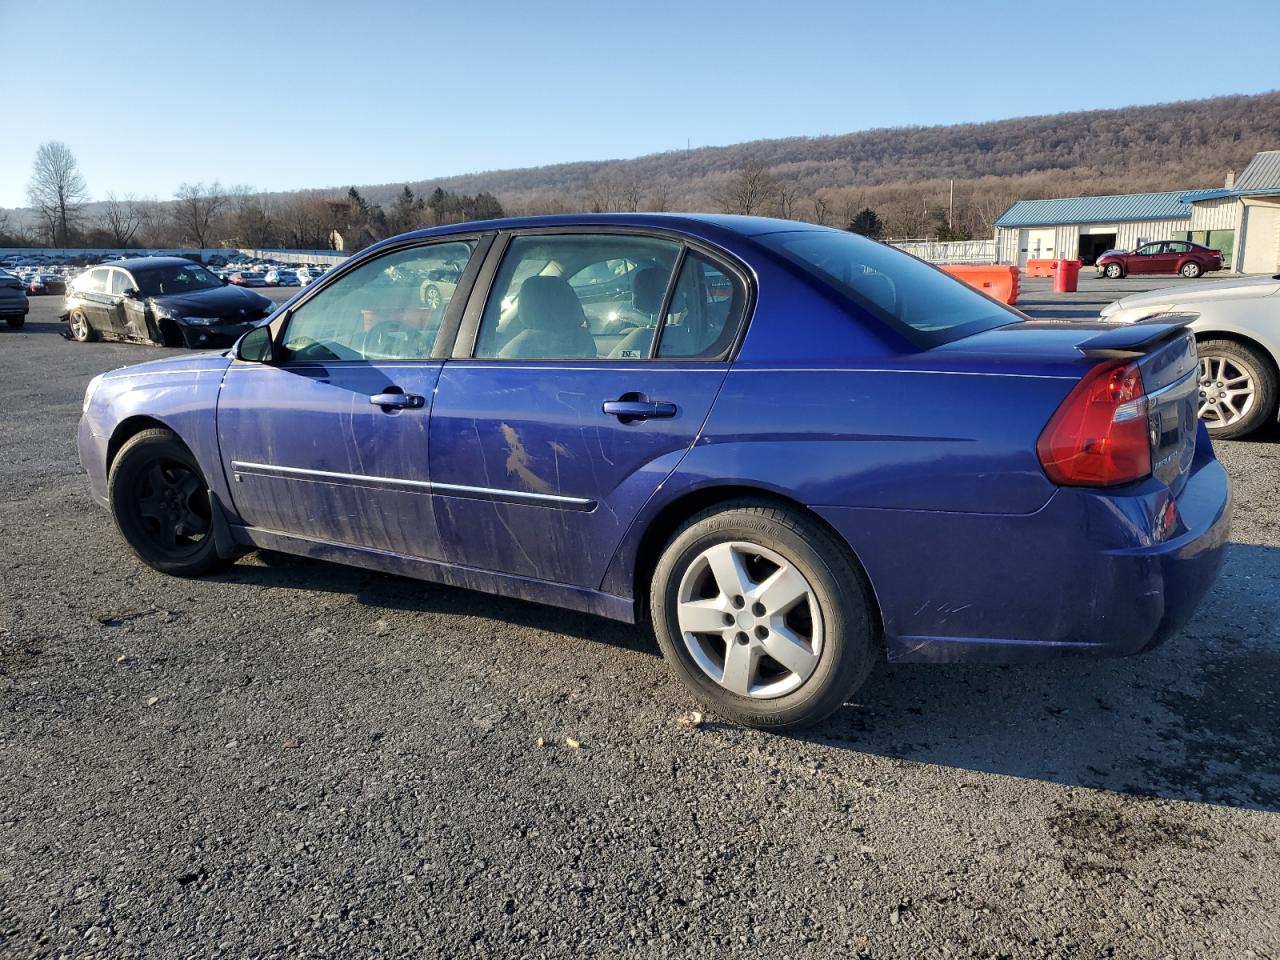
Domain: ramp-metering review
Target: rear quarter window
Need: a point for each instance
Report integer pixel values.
(913, 297)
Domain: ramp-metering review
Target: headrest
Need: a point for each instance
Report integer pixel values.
(647, 289)
(548, 303)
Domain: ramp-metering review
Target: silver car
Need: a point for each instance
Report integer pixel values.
(1238, 336)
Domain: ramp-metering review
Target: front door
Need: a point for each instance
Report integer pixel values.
(1146, 259)
(587, 380)
(331, 442)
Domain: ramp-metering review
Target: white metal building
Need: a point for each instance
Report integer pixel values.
(1241, 219)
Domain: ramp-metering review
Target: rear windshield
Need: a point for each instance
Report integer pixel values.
(162, 281)
(914, 297)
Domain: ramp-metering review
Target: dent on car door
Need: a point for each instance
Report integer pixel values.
(331, 442)
(129, 316)
(547, 439)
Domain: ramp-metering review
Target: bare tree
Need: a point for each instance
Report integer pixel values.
(121, 219)
(56, 189)
(787, 196)
(631, 192)
(660, 196)
(196, 208)
(821, 210)
(749, 190)
(603, 193)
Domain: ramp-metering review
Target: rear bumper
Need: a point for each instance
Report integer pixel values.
(1084, 575)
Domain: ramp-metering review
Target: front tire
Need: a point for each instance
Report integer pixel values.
(1190, 270)
(15, 323)
(81, 330)
(1114, 271)
(160, 502)
(1238, 389)
(763, 614)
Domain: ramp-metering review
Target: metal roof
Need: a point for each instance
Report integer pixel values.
(1122, 208)
(1262, 173)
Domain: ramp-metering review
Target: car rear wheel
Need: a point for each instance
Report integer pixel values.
(763, 614)
(1190, 270)
(81, 330)
(160, 502)
(15, 323)
(1114, 271)
(1237, 388)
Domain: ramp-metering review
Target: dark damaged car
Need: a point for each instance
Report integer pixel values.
(166, 301)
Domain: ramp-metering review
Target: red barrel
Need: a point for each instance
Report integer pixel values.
(1066, 276)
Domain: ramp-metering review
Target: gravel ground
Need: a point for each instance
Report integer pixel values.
(305, 760)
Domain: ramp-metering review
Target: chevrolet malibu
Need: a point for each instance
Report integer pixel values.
(793, 450)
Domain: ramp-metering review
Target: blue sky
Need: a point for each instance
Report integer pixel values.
(290, 95)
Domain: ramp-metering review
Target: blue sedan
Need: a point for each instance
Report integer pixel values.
(793, 449)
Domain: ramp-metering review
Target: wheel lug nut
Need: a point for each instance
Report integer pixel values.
(762, 632)
(739, 602)
(728, 619)
(743, 638)
(758, 609)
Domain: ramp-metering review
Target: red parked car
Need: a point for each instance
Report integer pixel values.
(247, 280)
(1161, 256)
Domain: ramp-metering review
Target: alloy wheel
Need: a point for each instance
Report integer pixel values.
(1227, 390)
(79, 326)
(750, 620)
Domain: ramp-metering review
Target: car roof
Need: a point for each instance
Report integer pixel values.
(135, 263)
(707, 225)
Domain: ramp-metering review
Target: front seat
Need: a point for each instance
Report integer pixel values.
(648, 287)
(551, 321)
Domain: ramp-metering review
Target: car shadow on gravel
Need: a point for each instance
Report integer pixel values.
(1194, 719)
(390, 592)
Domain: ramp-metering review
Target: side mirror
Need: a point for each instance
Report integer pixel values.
(256, 346)
(133, 294)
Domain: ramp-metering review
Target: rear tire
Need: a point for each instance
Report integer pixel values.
(160, 502)
(1227, 370)
(15, 323)
(1190, 270)
(81, 330)
(790, 630)
(1114, 271)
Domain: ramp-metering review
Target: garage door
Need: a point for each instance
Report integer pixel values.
(1261, 252)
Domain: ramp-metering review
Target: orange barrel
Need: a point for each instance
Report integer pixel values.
(1002, 283)
(1066, 276)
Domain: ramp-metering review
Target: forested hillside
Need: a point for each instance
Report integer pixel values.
(902, 173)
(895, 183)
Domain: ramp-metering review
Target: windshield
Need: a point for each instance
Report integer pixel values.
(177, 278)
(915, 297)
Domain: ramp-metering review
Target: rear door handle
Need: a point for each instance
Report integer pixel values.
(629, 410)
(397, 400)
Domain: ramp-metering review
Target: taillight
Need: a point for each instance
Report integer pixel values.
(1098, 437)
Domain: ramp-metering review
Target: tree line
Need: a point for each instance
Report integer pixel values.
(210, 215)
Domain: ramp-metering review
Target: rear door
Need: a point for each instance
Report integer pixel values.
(556, 419)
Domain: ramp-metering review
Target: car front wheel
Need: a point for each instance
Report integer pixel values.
(1237, 388)
(1190, 270)
(15, 322)
(764, 615)
(160, 502)
(1114, 271)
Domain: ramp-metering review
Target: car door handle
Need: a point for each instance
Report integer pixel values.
(628, 410)
(397, 400)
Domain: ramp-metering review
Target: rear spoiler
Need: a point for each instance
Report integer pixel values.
(1134, 339)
